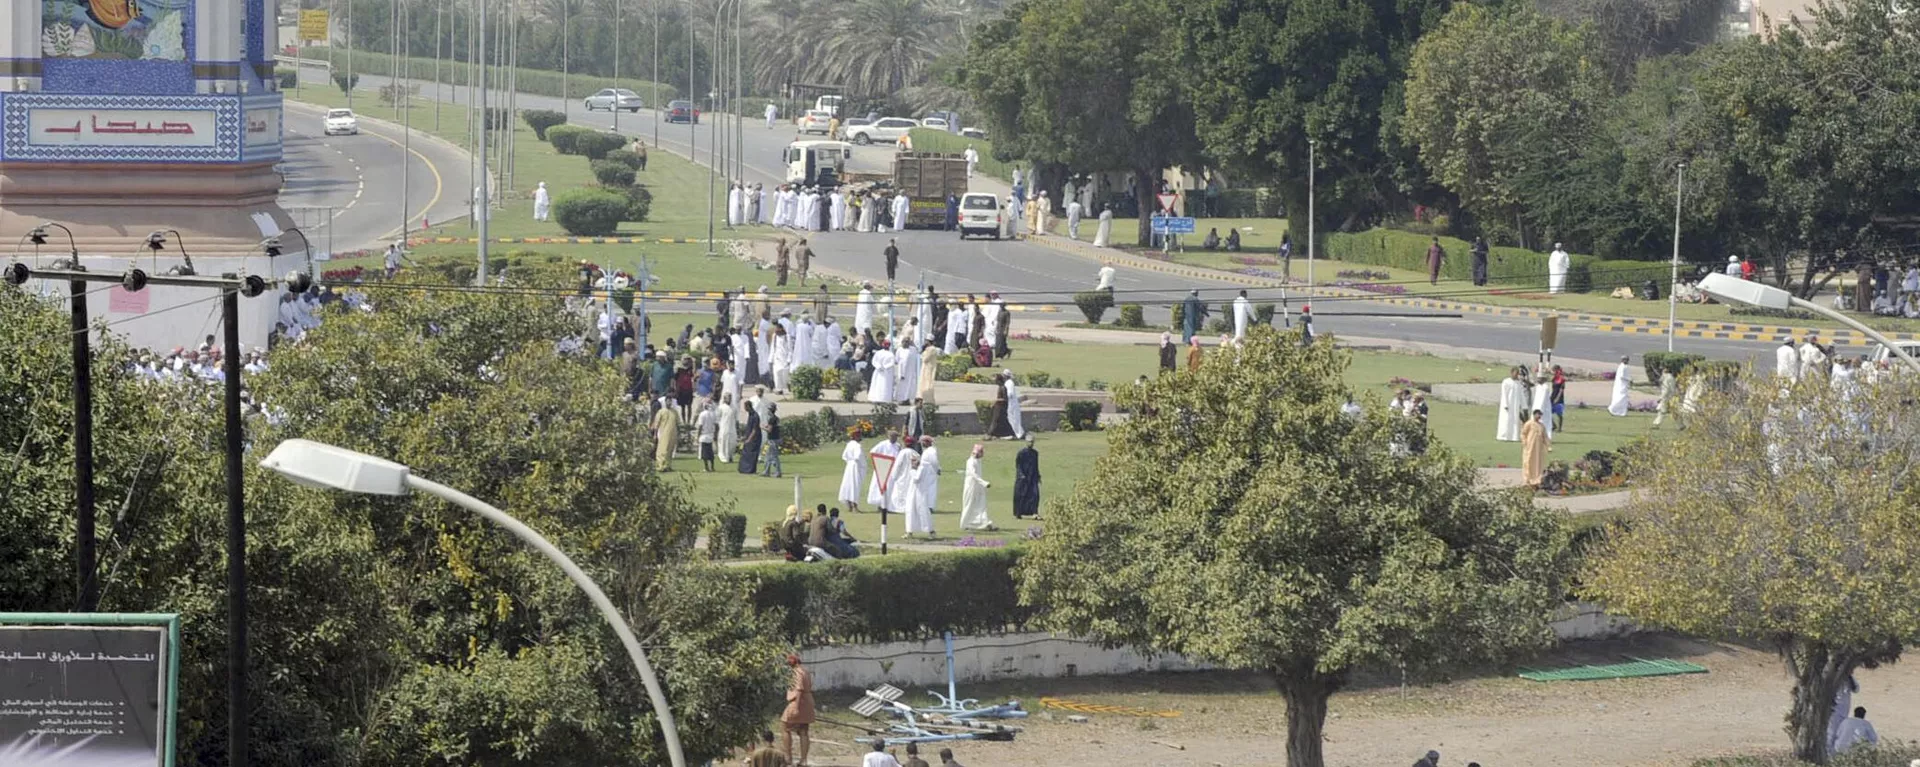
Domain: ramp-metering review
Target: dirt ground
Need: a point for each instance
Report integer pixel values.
(1231, 719)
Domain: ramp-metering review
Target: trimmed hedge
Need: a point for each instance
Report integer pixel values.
(627, 157)
(639, 202)
(1657, 363)
(892, 599)
(566, 138)
(1508, 266)
(1131, 316)
(540, 120)
(613, 175)
(590, 212)
(726, 535)
(597, 145)
(1081, 414)
(1094, 304)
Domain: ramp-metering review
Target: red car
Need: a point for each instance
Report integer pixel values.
(681, 111)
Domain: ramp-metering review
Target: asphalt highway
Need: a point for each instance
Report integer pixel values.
(1035, 273)
(345, 192)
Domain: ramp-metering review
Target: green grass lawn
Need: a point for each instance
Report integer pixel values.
(1065, 457)
(1080, 363)
(1068, 457)
(1415, 283)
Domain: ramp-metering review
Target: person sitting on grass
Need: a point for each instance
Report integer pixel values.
(1212, 242)
(1233, 240)
(793, 535)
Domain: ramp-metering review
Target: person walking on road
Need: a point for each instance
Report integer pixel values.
(893, 257)
(773, 113)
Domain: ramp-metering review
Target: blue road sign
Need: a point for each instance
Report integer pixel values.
(1172, 225)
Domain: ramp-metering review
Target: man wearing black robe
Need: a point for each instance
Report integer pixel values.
(1479, 260)
(1026, 482)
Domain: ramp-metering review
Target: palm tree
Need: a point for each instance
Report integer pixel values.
(883, 46)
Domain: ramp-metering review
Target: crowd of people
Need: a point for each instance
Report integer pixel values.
(819, 208)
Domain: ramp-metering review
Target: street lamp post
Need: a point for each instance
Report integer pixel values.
(713, 167)
(314, 464)
(1673, 300)
(1310, 221)
(1734, 290)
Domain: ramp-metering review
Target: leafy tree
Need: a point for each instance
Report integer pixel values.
(1240, 519)
(1267, 76)
(1628, 32)
(396, 630)
(1497, 104)
(1081, 84)
(1784, 516)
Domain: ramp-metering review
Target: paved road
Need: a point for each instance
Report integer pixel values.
(359, 178)
(1035, 273)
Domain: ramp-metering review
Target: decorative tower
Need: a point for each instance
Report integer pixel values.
(123, 117)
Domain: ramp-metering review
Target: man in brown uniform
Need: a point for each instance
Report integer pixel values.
(798, 717)
(766, 755)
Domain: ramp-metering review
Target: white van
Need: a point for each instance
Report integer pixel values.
(807, 160)
(830, 104)
(980, 213)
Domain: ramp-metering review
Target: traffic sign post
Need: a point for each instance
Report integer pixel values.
(313, 25)
(1167, 201)
(1173, 225)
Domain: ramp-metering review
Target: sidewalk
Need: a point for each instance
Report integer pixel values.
(1572, 504)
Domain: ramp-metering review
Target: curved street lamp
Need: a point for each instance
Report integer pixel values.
(1734, 290)
(319, 465)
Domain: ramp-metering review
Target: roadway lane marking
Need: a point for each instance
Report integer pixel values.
(439, 185)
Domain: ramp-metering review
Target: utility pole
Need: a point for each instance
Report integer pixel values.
(1673, 303)
(566, 40)
(657, 114)
(439, 16)
(616, 65)
(349, 80)
(480, 210)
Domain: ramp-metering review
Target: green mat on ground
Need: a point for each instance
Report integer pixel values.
(1637, 668)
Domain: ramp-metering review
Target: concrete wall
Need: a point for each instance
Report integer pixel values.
(914, 666)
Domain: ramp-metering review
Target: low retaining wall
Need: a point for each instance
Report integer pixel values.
(923, 665)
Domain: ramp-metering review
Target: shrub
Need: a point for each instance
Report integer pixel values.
(542, 119)
(1094, 304)
(849, 387)
(1263, 313)
(639, 202)
(393, 94)
(566, 138)
(1082, 414)
(984, 409)
(1219, 325)
(801, 433)
(805, 383)
(289, 80)
(1132, 316)
(1180, 314)
(596, 145)
(874, 599)
(726, 535)
(1040, 379)
(626, 157)
(612, 174)
(590, 212)
(345, 81)
(1660, 362)
(952, 367)
(498, 117)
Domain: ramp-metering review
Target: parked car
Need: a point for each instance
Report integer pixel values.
(934, 123)
(816, 121)
(1881, 353)
(682, 111)
(855, 122)
(614, 98)
(341, 122)
(974, 133)
(947, 120)
(885, 129)
(980, 214)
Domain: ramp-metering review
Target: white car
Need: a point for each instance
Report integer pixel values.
(934, 123)
(980, 214)
(974, 133)
(341, 122)
(611, 99)
(816, 121)
(885, 130)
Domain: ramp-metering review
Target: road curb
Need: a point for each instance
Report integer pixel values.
(1725, 331)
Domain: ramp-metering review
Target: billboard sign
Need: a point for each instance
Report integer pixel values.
(87, 689)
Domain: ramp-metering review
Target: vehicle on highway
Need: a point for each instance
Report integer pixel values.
(855, 122)
(611, 99)
(682, 111)
(974, 133)
(816, 121)
(885, 129)
(934, 123)
(980, 214)
(821, 163)
(830, 104)
(341, 122)
(949, 120)
(1882, 353)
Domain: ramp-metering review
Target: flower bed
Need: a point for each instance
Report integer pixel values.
(1255, 260)
(1372, 287)
(1362, 274)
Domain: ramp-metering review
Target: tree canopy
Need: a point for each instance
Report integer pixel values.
(1239, 518)
(1785, 516)
(399, 631)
